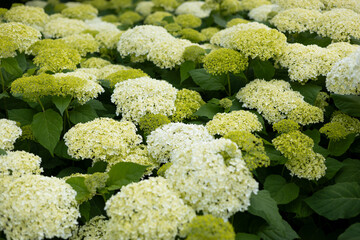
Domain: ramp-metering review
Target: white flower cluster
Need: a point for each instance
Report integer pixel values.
(92, 230)
(261, 14)
(344, 77)
(194, 8)
(275, 100)
(101, 138)
(19, 163)
(62, 27)
(163, 141)
(37, 207)
(149, 209)
(135, 98)
(212, 177)
(99, 25)
(84, 43)
(9, 132)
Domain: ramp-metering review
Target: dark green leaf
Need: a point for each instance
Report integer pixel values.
(11, 66)
(299, 207)
(207, 81)
(4, 95)
(208, 110)
(78, 184)
(314, 135)
(96, 104)
(349, 104)
(246, 236)
(351, 233)
(23, 116)
(275, 156)
(341, 200)
(169, 19)
(185, 68)
(273, 233)
(309, 91)
(68, 171)
(124, 173)
(82, 114)
(61, 103)
(21, 59)
(281, 191)
(332, 167)
(84, 209)
(338, 148)
(47, 127)
(2, 152)
(219, 20)
(99, 166)
(262, 69)
(61, 150)
(321, 150)
(350, 172)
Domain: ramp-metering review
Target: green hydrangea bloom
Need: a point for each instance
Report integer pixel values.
(120, 4)
(7, 47)
(84, 43)
(57, 59)
(236, 21)
(209, 32)
(187, 103)
(130, 17)
(225, 60)
(252, 149)
(110, 18)
(247, 5)
(168, 5)
(81, 11)
(45, 44)
(225, 103)
(192, 35)
(194, 53)
(230, 6)
(321, 100)
(208, 227)
(100, 4)
(173, 28)
(156, 18)
(285, 126)
(94, 62)
(150, 122)
(306, 114)
(27, 133)
(123, 75)
(188, 21)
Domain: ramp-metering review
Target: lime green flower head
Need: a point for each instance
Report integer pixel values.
(187, 103)
(81, 11)
(247, 5)
(192, 35)
(84, 43)
(224, 61)
(120, 4)
(307, 4)
(226, 103)
(251, 147)
(31, 16)
(123, 75)
(156, 18)
(93, 229)
(130, 17)
(173, 28)
(57, 59)
(306, 113)
(168, 5)
(236, 21)
(27, 133)
(230, 6)
(208, 227)
(188, 21)
(46, 44)
(94, 62)
(321, 100)
(2, 12)
(209, 32)
(194, 53)
(150, 122)
(7, 47)
(285, 126)
(108, 39)
(110, 18)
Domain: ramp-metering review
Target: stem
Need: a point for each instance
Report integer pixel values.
(3, 90)
(229, 85)
(42, 107)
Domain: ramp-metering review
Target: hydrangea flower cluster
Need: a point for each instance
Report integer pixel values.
(306, 4)
(123, 75)
(275, 100)
(163, 141)
(241, 120)
(149, 209)
(83, 43)
(194, 8)
(340, 126)
(136, 97)
(43, 44)
(62, 27)
(94, 62)
(93, 229)
(81, 11)
(19, 163)
(150, 122)
(212, 177)
(37, 207)
(7, 47)
(247, 5)
(186, 104)
(108, 39)
(9, 132)
(101, 138)
(264, 12)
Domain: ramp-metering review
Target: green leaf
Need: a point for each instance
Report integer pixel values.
(78, 184)
(219, 20)
(99, 166)
(61, 151)
(82, 114)
(273, 233)
(281, 191)
(314, 135)
(68, 171)
(332, 167)
(275, 156)
(349, 104)
(309, 91)
(96, 104)
(350, 172)
(11, 66)
(185, 68)
(21, 59)
(264, 206)
(169, 19)
(207, 81)
(4, 95)
(262, 69)
(2, 152)
(299, 207)
(246, 236)
(84, 209)
(61, 103)
(124, 173)
(47, 127)
(351, 233)
(208, 110)
(338, 148)
(23, 116)
(341, 200)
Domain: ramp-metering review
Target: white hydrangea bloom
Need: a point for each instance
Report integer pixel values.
(34, 207)
(149, 209)
(97, 24)
(101, 138)
(344, 77)
(9, 132)
(36, 3)
(92, 230)
(19, 163)
(136, 97)
(62, 27)
(108, 39)
(212, 177)
(144, 7)
(194, 8)
(261, 14)
(80, 74)
(163, 141)
(84, 42)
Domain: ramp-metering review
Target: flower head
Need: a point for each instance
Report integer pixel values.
(144, 7)
(62, 27)
(81, 11)
(93, 229)
(194, 53)
(223, 61)
(150, 122)
(194, 8)
(187, 103)
(123, 75)
(108, 39)
(264, 12)
(192, 35)
(157, 18)
(307, 4)
(209, 32)
(188, 21)
(84, 43)
(247, 5)
(7, 47)
(45, 44)
(9, 132)
(94, 62)
(236, 21)
(130, 17)
(168, 5)
(285, 126)
(19, 163)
